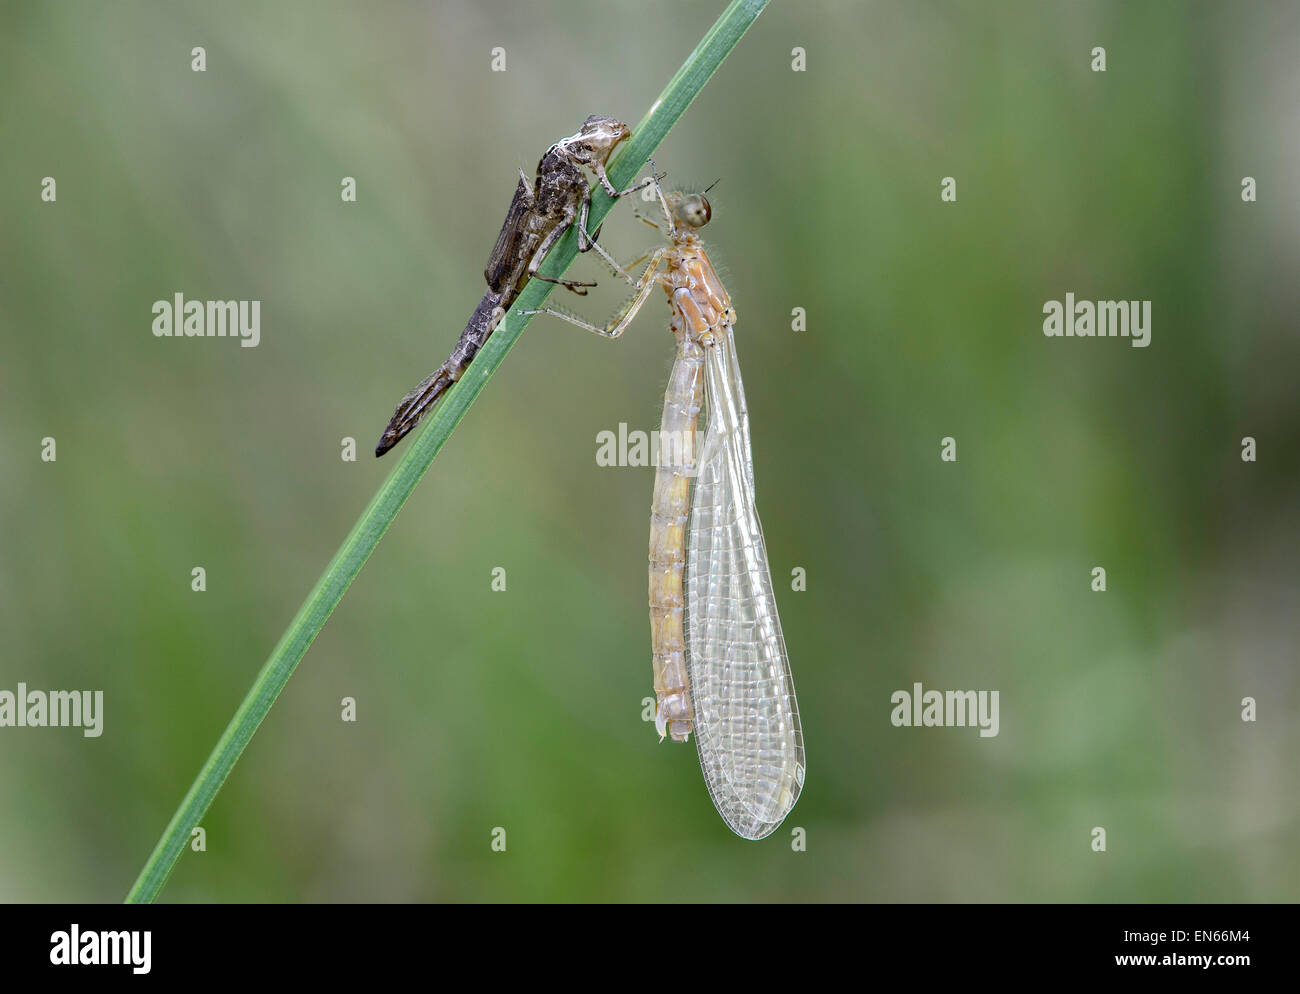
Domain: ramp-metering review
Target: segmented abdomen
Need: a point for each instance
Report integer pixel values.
(669, 513)
(698, 303)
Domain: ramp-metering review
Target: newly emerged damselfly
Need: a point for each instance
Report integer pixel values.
(719, 656)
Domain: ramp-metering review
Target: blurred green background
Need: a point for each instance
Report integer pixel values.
(522, 709)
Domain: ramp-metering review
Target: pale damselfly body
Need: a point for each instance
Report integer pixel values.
(719, 656)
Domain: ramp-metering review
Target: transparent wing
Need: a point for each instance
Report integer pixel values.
(746, 716)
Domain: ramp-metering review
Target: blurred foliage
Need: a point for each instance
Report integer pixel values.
(522, 709)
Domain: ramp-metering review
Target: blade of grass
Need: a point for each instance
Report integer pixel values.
(420, 453)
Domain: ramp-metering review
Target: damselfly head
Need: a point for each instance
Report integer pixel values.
(596, 139)
(690, 209)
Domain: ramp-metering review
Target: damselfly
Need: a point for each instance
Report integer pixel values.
(719, 657)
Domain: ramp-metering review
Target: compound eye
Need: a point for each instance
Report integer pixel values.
(696, 211)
